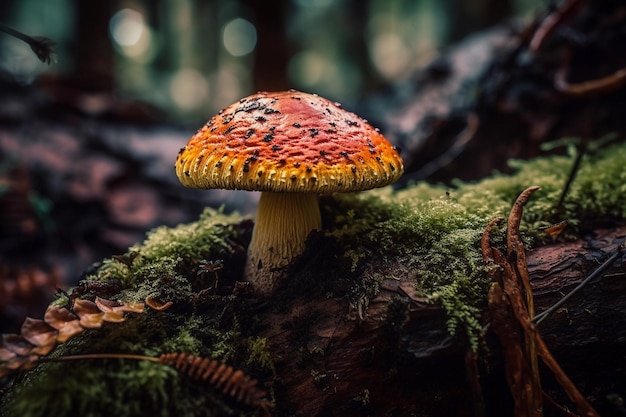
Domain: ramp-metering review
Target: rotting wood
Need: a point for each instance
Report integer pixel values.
(512, 307)
(418, 367)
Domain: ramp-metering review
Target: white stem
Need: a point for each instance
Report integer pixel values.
(283, 222)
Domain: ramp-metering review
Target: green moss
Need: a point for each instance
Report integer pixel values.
(99, 387)
(164, 266)
(93, 387)
(432, 239)
(427, 234)
(259, 353)
(433, 232)
(173, 250)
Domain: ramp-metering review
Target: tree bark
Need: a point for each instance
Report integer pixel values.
(400, 360)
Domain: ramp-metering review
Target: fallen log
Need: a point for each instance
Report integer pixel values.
(385, 313)
(400, 359)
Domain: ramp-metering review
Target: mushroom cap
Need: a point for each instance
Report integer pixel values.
(288, 142)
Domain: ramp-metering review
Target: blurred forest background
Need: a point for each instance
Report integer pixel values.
(88, 142)
(192, 57)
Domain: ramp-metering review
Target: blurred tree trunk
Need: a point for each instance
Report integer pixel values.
(93, 67)
(272, 50)
(355, 37)
(400, 360)
(469, 16)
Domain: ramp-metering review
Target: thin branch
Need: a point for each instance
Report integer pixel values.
(595, 274)
(42, 47)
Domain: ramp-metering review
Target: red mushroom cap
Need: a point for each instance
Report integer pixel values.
(288, 142)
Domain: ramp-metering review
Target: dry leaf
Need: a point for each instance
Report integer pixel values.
(107, 306)
(64, 321)
(157, 305)
(6, 354)
(17, 344)
(113, 316)
(39, 334)
(39, 337)
(89, 314)
(133, 307)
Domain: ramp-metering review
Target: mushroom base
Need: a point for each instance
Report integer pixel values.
(283, 222)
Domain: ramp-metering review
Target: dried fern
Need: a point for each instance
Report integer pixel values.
(38, 337)
(20, 352)
(234, 383)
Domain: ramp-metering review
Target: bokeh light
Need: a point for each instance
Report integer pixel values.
(239, 37)
(307, 68)
(390, 55)
(313, 70)
(232, 81)
(194, 57)
(313, 4)
(130, 34)
(189, 89)
(126, 27)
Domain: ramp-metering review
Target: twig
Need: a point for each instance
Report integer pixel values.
(515, 219)
(485, 243)
(589, 88)
(580, 152)
(515, 247)
(511, 319)
(553, 21)
(41, 46)
(68, 358)
(595, 274)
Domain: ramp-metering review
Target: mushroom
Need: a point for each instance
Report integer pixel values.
(291, 146)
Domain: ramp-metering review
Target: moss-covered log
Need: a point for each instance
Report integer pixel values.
(378, 318)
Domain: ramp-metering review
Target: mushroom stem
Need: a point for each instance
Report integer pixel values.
(283, 222)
